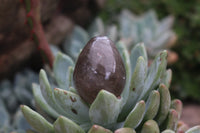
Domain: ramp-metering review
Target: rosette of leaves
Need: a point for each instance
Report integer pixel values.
(144, 105)
(78, 38)
(156, 35)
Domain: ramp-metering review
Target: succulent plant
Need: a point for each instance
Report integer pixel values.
(12, 94)
(16, 92)
(156, 35)
(144, 105)
(15, 123)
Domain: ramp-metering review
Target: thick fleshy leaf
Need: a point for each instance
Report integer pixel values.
(112, 32)
(152, 105)
(167, 77)
(125, 130)
(156, 71)
(108, 111)
(70, 76)
(65, 125)
(72, 104)
(61, 70)
(150, 19)
(161, 41)
(42, 103)
(150, 126)
(74, 43)
(98, 129)
(165, 24)
(127, 28)
(136, 87)
(136, 52)
(168, 131)
(47, 93)
(135, 116)
(165, 102)
(125, 56)
(178, 106)
(96, 28)
(172, 120)
(36, 120)
(195, 129)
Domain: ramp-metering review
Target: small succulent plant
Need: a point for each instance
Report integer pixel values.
(12, 94)
(144, 104)
(156, 35)
(16, 92)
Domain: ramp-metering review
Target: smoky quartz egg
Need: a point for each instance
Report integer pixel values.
(99, 66)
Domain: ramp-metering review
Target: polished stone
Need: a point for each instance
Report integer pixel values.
(99, 66)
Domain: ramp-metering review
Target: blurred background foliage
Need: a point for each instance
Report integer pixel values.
(186, 72)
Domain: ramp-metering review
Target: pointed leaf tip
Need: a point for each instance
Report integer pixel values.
(65, 125)
(36, 120)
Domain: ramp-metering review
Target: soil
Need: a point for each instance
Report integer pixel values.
(191, 114)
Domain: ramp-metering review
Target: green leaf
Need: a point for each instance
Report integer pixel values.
(168, 131)
(135, 116)
(112, 32)
(126, 59)
(39, 99)
(65, 125)
(105, 108)
(165, 24)
(98, 129)
(96, 28)
(167, 77)
(150, 19)
(125, 130)
(150, 126)
(156, 71)
(172, 120)
(195, 129)
(127, 28)
(61, 70)
(136, 87)
(74, 43)
(36, 120)
(136, 52)
(72, 104)
(70, 76)
(161, 42)
(178, 106)
(165, 101)
(152, 105)
(47, 93)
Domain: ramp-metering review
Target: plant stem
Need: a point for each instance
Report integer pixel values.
(37, 33)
